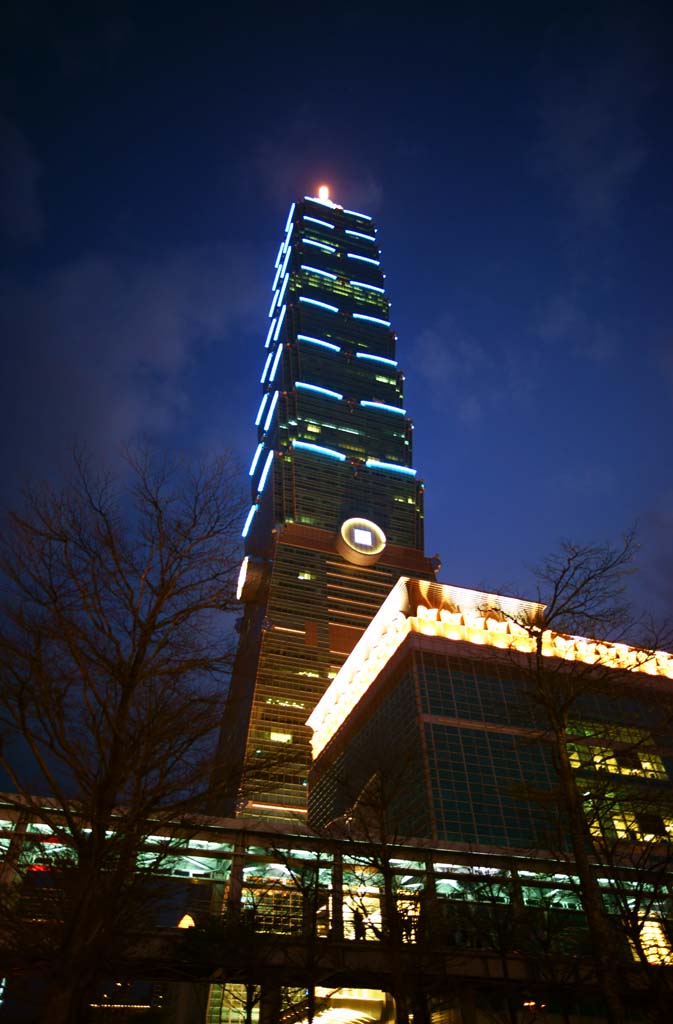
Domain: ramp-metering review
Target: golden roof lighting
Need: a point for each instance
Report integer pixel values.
(469, 616)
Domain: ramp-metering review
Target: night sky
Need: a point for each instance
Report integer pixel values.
(519, 162)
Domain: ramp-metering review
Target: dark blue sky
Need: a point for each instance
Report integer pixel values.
(519, 162)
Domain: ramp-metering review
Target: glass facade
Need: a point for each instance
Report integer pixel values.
(334, 443)
(477, 767)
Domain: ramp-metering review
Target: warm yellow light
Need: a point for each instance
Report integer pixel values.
(463, 618)
(186, 921)
(323, 193)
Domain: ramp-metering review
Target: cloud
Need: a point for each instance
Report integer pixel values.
(100, 350)
(564, 320)
(584, 482)
(472, 379)
(21, 216)
(590, 143)
(303, 157)
(653, 585)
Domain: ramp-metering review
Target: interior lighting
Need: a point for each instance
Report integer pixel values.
(375, 464)
(384, 407)
(315, 302)
(272, 375)
(319, 450)
(289, 217)
(354, 213)
(255, 459)
(359, 234)
(323, 223)
(315, 387)
(272, 409)
(318, 341)
(363, 259)
(319, 245)
(281, 317)
(260, 411)
(376, 359)
(316, 270)
(369, 287)
(373, 319)
(248, 521)
(278, 807)
(284, 286)
(265, 472)
(266, 368)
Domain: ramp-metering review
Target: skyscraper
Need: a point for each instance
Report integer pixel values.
(337, 512)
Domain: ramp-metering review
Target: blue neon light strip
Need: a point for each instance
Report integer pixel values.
(323, 305)
(318, 341)
(323, 223)
(284, 286)
(272, 409)
(375, 464)
(268, 337)
(369, 287)
(266, 368)
(255, 459)
(319, 450)
(386, 408)
(321, 202)
(289, 236)
(354, 213)
(358, 234)
(319, 245)
(280, 253)
(272, 375)
(280, 323)
(265, 472)
(260, 411)
(373, 319)
(276, 279)
(364, 259)
(248, 521)
(287, 260)
(316, 270)
(273, 303)
(376, 359)
(289, 218)
(315, 387)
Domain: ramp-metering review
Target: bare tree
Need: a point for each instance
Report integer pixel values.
(113, 659)
(582, 589)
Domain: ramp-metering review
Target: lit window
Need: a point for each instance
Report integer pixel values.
(655, 943)
(280, 737)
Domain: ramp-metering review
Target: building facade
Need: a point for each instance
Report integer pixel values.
(336, 510)
(440, 701)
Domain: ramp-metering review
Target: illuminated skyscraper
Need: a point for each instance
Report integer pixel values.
(337, 512)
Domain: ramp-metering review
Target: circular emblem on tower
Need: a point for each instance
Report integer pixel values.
(361, 541)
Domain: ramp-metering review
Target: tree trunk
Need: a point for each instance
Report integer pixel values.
(606, 957)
